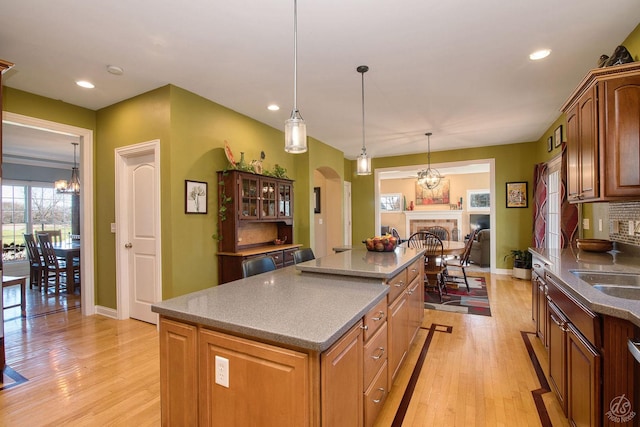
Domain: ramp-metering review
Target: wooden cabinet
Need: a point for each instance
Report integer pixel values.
(375, 380)
(603, 136)
(575, 337)
(272, 381)
(178, 373)
(254, 210)
(341, 370)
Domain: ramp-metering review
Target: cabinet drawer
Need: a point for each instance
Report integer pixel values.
(375, 396)
(288, 256)
(375, 354)
(278, 258)
(587, 322)
(397, 285)
(375, 318)
(414, 269)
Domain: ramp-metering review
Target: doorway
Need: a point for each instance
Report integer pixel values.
(86, 145)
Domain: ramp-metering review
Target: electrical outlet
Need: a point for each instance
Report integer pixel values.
(585, 223)
(222, 371)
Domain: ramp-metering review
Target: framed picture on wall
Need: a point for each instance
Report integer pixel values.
(517, 195)
(550, 143)
(195, 197)
(557, 136)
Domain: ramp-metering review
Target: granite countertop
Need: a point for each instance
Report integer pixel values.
(359, 262)
(562, 261)
(309, 311)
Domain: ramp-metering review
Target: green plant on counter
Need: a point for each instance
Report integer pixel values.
(224, 200)
(278, 172)
(521, 258)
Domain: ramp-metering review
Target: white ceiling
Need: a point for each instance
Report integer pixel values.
(459, 69)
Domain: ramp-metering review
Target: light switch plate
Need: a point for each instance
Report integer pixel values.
(600, 224)
(585, 223)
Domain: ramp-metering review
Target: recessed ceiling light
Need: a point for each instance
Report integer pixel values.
(273, 107)
(540, 54)
(85, 84)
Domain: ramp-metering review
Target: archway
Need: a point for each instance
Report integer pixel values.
(327, 223)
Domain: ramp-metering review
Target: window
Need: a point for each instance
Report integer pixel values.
(391, 202)
(31, 207)
(478, 200)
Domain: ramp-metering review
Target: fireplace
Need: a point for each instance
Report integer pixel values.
(420, 220)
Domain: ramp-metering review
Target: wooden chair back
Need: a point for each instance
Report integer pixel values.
(32, 250)
(55, 235)
(439, 231)
(258, 265)
(434, 249)
(394, 233)
(302, 255)
(48, 253)
(464, 258)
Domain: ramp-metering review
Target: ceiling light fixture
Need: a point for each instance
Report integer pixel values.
(295, 130)
(429, 178)
(85, 84)
(364, 161)
(72, 186)
(115, 70)
(540, 54)
(273, 107)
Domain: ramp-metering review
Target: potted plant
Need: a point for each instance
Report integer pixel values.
(521, 263)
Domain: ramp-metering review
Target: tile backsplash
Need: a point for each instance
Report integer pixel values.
(623, 212)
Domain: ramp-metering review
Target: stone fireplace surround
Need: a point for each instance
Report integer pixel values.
(449, 219)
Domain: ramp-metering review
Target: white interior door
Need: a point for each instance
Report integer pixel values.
(138, 234)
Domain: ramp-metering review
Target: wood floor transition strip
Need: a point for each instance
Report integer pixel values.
(408, 393)
(11, 378)
(544, 384)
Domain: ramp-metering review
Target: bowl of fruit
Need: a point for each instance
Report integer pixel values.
(386, 243)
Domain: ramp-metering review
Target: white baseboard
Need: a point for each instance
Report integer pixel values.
(107, 312)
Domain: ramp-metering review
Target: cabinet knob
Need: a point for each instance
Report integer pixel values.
(399, 284)
(380, 316)
(128, 245)
(364, 328)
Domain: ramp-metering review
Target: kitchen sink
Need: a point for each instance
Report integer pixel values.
(620, 285)
(620, 291)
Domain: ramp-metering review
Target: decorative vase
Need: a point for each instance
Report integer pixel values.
(411, 205)
(242, 165)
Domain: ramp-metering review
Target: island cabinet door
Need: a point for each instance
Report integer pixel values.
(178, 373)
(398, 336)
(267, 385)
(341, 368)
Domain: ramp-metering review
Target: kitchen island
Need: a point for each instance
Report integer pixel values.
(303, 345)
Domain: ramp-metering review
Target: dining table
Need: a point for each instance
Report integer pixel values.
(68, 251)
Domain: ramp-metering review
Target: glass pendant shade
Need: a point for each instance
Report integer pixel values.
(363, 164)
(295, 130)
(295, 134)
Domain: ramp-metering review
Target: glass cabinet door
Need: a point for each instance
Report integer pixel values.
(248, 208)
(268, 199)
(284, 200)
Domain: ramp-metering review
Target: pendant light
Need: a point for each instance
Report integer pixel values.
(429, 178)
(295, 130)
(73, 185)
(364, 161)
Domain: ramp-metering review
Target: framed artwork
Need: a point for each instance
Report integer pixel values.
(517, 195)
(195, 200)
(478, 200)
(435, 196)
(557, 135)
(316, 205)
(550, 143)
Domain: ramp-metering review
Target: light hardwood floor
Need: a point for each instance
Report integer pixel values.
(95, 371)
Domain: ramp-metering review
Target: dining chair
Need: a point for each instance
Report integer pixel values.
(441, 232)
(258, 265)
(302, 255)
(394, 233)
(434, 265)
(36, 262)
(460, 263)
(54, 268)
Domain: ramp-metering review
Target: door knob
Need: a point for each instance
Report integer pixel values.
(128, 245)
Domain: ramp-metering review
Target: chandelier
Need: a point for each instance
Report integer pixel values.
(73, 185)
(429, 178)
(295, 130)
(364, 161)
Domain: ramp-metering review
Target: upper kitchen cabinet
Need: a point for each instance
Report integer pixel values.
(603, 136)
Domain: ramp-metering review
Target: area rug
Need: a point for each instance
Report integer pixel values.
(458, 300)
